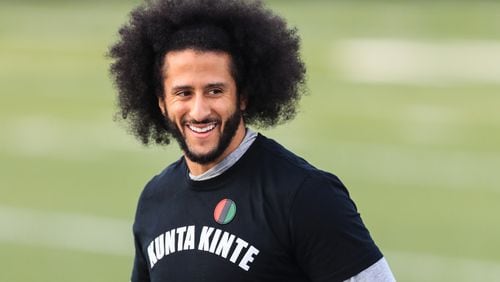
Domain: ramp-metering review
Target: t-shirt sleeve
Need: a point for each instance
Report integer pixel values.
(330, 241)
(140, 272)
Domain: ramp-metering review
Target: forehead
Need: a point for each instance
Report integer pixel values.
(195, 61)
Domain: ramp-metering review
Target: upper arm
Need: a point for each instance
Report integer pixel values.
(330, 240)
(140, 270)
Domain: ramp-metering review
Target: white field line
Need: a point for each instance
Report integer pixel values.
(418, 62)
(38, 136)
(429, 267)
(66, 231)
(50, 136)
(112, 236)
(454, 170)
(53, 137)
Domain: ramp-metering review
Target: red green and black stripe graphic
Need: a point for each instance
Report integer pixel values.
(225, 211)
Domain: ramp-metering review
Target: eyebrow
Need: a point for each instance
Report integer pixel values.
(217, 84)
(188, 87)
(181, 87)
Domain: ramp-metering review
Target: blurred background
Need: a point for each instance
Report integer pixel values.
(403, 106)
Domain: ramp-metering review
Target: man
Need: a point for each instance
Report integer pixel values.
(237, 206)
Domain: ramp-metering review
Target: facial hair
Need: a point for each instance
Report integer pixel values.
(229, 131)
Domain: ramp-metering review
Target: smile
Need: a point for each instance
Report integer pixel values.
(208, 127)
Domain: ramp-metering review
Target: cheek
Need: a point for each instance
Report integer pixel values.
(228, 106)
(176, 112)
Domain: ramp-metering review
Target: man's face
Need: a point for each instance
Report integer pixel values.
(201, 104)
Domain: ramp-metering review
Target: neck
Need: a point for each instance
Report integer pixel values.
(197, 168)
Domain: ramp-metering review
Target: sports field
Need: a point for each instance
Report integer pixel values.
(403, 106)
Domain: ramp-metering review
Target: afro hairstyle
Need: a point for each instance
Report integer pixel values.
(266, 63)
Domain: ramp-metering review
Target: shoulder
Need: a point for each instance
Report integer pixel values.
(160, 184)
(273, 151)
(166, 175)
(282, 162)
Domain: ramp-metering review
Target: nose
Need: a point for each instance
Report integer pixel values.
(200, 108)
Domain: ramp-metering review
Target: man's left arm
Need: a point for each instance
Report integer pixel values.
(330, 241)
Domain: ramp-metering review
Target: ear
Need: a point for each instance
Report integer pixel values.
(161, 104)
(243, 102)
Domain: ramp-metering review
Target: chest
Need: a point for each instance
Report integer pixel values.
(220, 235)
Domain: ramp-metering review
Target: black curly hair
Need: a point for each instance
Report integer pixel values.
(266, 64)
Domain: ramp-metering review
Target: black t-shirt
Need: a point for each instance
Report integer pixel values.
(270, 217)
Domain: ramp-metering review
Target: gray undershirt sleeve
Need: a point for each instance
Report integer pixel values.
(377, 272)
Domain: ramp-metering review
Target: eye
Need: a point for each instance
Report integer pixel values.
(182, 93)
(215, 91)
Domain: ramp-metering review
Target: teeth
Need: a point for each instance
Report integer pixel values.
(202, 129)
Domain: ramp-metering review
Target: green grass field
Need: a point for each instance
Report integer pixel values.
(421, 160)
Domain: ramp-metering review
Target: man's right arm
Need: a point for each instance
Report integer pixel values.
(140, 272)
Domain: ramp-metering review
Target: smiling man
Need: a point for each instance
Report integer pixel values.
(236, 206)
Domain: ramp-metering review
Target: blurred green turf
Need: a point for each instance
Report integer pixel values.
(425, 185)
